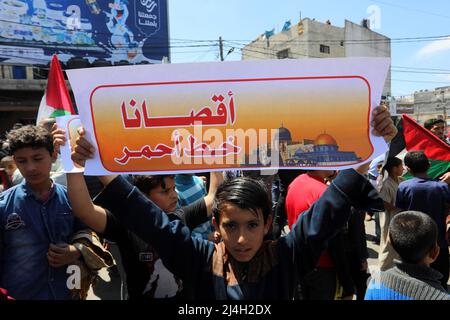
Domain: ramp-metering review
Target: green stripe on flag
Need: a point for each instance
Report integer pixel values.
(437, 169)
(59, 113)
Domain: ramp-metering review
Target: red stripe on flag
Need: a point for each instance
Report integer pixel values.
(57, 94)
(419, 138)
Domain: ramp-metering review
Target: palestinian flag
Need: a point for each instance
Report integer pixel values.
(56, 100)
(413, 137)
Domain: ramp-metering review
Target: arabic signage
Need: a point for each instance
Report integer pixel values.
(311, 113)
(32, 30)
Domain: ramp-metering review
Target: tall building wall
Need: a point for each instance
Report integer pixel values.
(361, 41)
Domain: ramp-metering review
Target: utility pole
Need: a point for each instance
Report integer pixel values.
(221, 48)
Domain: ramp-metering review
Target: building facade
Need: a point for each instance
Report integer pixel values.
(432, 104)
(313, 39)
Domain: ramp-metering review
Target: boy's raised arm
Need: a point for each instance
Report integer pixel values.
(141, 216)
(82, 205)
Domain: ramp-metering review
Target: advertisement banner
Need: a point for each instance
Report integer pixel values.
(134, 31)
(311, 113)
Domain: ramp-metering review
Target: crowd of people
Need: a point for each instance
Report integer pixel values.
(225, 235)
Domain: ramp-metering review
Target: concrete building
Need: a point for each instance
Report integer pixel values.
(313, 39)
(21, 91)
(403, 105)
(432, 104)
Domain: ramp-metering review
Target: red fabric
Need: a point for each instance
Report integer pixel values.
(57, 95)
(418, 138)
(302, 193)
(4, 295)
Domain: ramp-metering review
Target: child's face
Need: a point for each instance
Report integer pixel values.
(10, 167)
(438, 129)
(399, 170)
(165, 198)
(242, 231)
(34, 164)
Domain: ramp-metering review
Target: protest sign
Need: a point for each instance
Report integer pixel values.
(310, 113)
(70, 124)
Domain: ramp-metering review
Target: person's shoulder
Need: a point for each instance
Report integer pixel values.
(14, 194)
(408, 183)
(60, 186)
(60, 189)
(436, 184)
(299, 181)
(442, 184)
(15, 191)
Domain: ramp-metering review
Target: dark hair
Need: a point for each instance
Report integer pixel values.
(432, 122)
(417, 161)
(245, 193)
(30, 136)
(17, 125)
(391, 162)
(413, 234)
(146, 183)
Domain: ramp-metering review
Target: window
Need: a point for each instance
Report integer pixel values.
(283, 54)
(324, 49)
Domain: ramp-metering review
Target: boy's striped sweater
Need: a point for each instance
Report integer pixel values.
(406, 282)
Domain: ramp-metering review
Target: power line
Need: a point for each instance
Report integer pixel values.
(420, 81)
(348, 41)
(416, 68)
(393, 68)
(271, 53)
(421, 72)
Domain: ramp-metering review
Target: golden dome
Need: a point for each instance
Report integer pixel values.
(325, 139)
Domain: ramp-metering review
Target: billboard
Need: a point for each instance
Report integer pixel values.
(132, 30)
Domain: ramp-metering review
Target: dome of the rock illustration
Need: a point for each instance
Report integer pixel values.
(325, 139)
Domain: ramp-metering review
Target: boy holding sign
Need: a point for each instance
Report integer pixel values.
(243, 266)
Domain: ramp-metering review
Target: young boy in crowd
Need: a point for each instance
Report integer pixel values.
(429, 196)
(243, 266)
(9, 165)
(414, 237)
(146, 275)
(36, 223)
(437, 127)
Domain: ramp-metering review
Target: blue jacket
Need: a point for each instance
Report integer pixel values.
(275, 272)
(27, 227)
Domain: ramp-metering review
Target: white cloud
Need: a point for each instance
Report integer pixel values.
(434, 47)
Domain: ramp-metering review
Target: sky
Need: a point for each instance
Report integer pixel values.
(420, 63)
